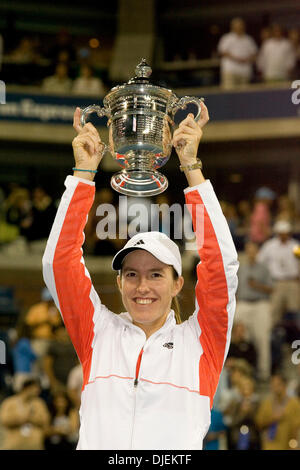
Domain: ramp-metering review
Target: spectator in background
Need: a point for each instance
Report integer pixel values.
(60, 359)
(23, 357)
(277, 255)
(260, 220)
(240, 347)
(235, 370)
(277, 57)
(253, 306)
(42, 318)
(24, 417)
(294, 37)
(59, 82)
(238, 51)
(265, 33)
(238, 370)
(17, 208)
(25, 53)
(63, 49)
(243, 215)
(62, 434)
(87, 84)
(286, 209)
(278, 417)
(244, 433)
(37, 224)
(216, 431)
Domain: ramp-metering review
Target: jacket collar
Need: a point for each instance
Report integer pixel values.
(169, 323)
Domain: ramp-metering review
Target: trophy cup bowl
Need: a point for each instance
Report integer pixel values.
(140, 122)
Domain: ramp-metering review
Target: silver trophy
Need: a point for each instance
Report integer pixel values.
(140, 122)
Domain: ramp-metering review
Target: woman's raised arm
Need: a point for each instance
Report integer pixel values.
(64, 270)
(217, 269)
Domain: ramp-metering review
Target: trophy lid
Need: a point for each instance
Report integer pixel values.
(136, 85)
(143, 72)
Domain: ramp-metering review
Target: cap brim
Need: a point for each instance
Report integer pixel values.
(118, 259)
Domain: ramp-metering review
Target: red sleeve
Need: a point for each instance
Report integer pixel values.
(64, 270)
(216, 283)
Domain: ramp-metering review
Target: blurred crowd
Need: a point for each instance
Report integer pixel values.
(59, 66)
(257, 404)
(234, 57)
(247, 417)
(40, 384)
(64, 64)
(26, 215)
(275, 59)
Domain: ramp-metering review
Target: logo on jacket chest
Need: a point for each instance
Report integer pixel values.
(168, 345)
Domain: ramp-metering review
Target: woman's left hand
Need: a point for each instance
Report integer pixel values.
(187, 137)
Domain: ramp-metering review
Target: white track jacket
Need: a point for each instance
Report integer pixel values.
(137, 393)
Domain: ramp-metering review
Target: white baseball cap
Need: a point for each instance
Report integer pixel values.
(156, 243)
(282, 226)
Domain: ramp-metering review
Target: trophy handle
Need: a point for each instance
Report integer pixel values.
(182, 102)
(94, 108)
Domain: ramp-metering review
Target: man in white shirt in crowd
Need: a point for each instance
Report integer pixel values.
(238, 52)
(277, 254)
(253, 307)
(277, 56)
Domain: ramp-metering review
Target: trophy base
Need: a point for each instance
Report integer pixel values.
(139, 183)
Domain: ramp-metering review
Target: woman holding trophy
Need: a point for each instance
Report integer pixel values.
(149, 379)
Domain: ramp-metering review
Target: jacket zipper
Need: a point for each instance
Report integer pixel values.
(137, 369)
(135, 384)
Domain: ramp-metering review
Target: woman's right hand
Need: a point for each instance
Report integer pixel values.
(87, 147)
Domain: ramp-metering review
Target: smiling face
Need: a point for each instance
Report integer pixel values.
(147, 286)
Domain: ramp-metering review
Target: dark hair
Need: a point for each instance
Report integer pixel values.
(52, 406)
(280, 375)
(29, 382)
